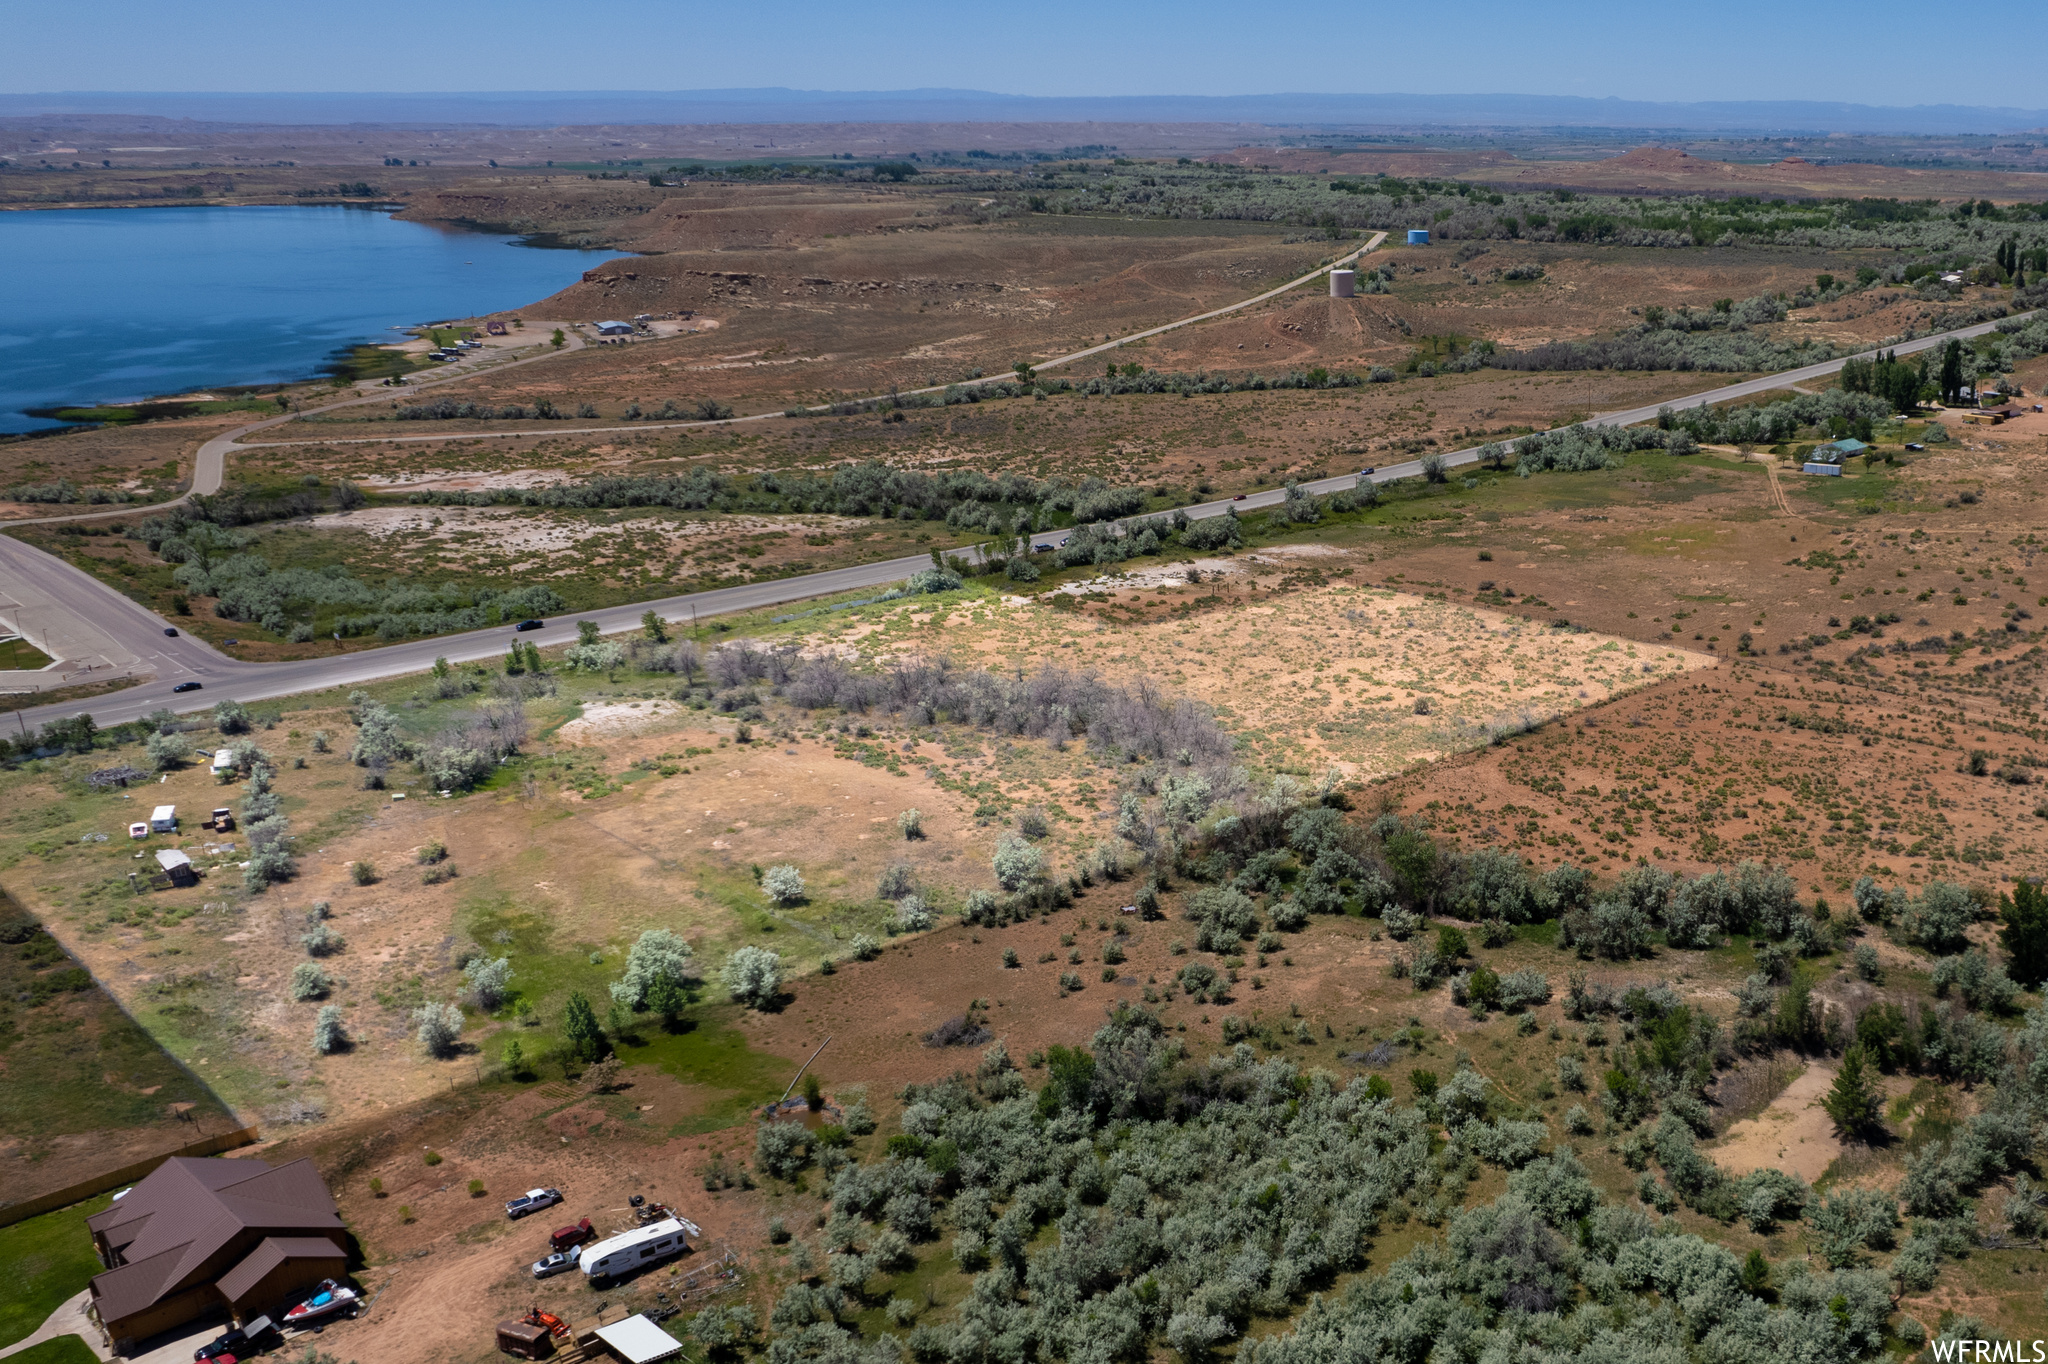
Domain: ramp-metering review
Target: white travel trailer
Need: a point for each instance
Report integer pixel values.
(629, 1250)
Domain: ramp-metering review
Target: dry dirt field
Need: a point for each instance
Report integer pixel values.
(1690, 661)
(805, 294)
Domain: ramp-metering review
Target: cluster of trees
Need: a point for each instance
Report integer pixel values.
(449, 409)
(463, 753)
(1718, 339)
(263, 821)
(1186, 1199)
(657, 978)
(1333, 208)
(1899, 383)
(1142, 1198)
(1455, 211)
(1647, 347)
(1769, 423)
(1103, 545)
(544, 409)
(1128, 722)
(1266, 861)
(1119, 379)
(62, 490)
(243, 506)
(869, 489)
(1577, 449)
(217, 561)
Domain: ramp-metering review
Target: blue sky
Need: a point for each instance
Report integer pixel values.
(1872, 51)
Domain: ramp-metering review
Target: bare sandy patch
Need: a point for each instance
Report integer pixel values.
(468, 479)
(520, 531)
(1794, 1134)
(605, 719)
(1366, 679)
(1150, 576)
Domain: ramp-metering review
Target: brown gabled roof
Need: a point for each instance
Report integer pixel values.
(274, 1251)
(169, 1226)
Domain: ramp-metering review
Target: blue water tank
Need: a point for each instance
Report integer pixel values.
(1418, 236)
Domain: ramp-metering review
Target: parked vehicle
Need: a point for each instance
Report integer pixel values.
(560, 1261)
(171, 631)
(529, 625)
(252, 1337)
(573, 1235)
(533, 1200)
(223, 820)
(188, 686)
(1914, 445)
(329, 1298)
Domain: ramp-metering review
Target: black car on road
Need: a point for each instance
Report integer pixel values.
(188, 686)
(530, 625)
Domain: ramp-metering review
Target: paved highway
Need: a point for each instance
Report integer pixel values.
(134, 638)
(1631, 416)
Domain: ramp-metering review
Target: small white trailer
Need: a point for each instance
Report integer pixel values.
(164, 819)
(629, 1250)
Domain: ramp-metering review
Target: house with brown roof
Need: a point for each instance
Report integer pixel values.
(198, 1237)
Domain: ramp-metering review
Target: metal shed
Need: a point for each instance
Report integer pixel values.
(177, 866)
(639, 1341)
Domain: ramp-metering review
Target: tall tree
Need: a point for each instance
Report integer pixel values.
(1952, 372)
(581, 1029)
(667, 998)
(2025, 935)
(1854, 1103)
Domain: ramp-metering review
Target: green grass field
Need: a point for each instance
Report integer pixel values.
(19, 653)
(46, 1259)
(73, 1061)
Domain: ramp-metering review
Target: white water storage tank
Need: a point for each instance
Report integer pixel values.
(1343, 283)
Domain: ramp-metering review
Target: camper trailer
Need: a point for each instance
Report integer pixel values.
(164, 819)
(629, 1250)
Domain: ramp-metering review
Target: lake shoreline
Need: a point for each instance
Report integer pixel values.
(240, 297)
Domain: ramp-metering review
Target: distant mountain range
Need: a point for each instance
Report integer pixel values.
(1317, 111)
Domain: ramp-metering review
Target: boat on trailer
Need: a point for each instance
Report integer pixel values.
(329, 1298)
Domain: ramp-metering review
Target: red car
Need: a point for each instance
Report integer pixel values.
(1238, 498)
(575, 1235)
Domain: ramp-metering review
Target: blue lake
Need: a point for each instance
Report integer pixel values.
(112, 305)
